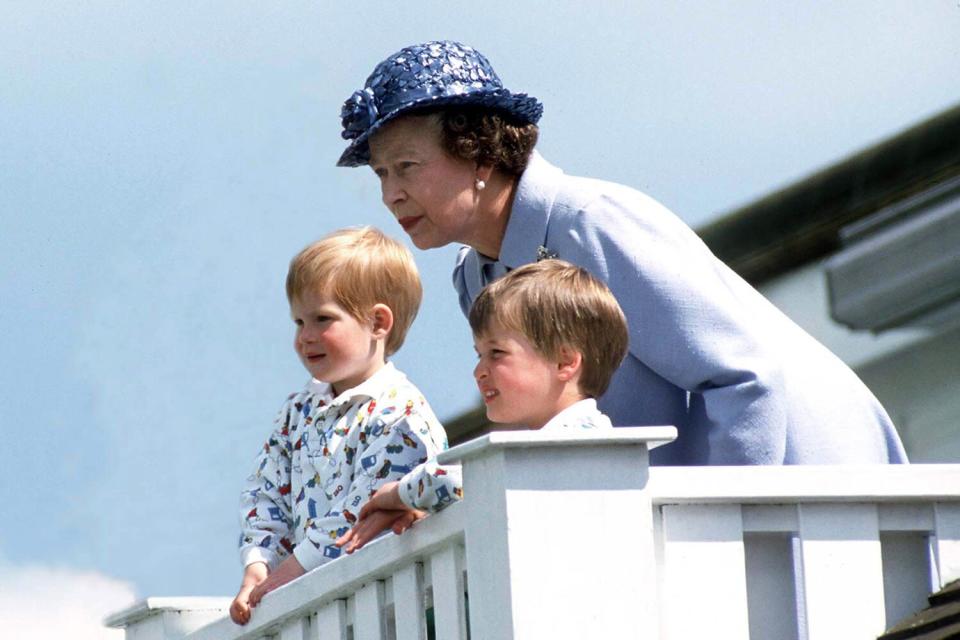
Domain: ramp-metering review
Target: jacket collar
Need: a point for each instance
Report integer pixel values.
(530, 214)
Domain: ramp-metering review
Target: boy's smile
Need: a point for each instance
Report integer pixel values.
(519, 386)
(333, 345)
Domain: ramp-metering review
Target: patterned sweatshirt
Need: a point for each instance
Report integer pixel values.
(323, 461)
(431, 486)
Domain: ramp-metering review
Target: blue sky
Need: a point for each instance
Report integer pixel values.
(161, 162)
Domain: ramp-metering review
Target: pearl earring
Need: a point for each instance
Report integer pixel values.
(480, 184)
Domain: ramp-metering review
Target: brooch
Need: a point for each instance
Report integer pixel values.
(545, 254)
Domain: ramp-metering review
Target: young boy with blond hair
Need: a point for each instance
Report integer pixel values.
(549, 337)
(359, 423)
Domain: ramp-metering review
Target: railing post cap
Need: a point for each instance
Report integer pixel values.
(149, 607)
(620, 436)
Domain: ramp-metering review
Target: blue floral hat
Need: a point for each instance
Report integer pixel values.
(432, 73)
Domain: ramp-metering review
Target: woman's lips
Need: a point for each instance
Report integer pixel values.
(407, 222)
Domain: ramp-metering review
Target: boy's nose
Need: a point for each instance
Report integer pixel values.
(479, 371)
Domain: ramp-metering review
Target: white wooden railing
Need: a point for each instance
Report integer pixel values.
(574, 536)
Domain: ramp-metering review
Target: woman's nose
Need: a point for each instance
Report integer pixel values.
(391, 192)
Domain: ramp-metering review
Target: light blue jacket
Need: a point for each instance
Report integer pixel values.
(741, 382)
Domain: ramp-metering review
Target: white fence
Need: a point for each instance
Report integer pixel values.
(574, 536)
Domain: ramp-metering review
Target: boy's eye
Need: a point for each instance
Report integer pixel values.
(298, 322)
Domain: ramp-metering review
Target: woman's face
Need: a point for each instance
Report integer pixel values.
(431, 193)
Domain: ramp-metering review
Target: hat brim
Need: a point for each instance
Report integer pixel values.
(520, 106)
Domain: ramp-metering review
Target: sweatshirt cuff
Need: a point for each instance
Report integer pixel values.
(259, 554)
(407, 486)
(310, 557)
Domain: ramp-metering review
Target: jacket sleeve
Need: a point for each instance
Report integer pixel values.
(391, 444)
(431, 486)
(691, 320)
(265, 513)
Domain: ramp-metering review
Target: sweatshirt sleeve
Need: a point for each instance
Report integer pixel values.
(265, 511)
(431, 486)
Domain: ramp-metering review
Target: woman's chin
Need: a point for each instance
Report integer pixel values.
(424, 241)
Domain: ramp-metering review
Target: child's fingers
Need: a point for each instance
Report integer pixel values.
(406, 521)
(386, 498)
(345, 538)
(366, 530)
(256, 594)
(366, 510)
(360, 535)
(354, 539)
(372, 506)
(239, 612)
(401, 524)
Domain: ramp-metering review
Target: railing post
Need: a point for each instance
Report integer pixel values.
(167, 618)
(559, 533)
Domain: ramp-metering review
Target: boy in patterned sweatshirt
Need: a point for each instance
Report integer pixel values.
(357, 425)
(549, 337)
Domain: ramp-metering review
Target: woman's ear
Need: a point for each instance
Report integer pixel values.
(569, 363)
(484, 172)
(381, 317)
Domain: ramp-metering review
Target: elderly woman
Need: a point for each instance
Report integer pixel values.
(454, 152)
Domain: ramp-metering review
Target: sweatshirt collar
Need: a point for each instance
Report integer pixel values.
(582, 414)
(374, 386)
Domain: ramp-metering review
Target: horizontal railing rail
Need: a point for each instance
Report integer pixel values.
(382, 591)
(802, 552)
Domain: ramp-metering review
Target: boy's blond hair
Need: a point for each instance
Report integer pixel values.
(555, 304)
(360, 267)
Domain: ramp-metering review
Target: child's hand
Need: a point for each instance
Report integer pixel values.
(253, 575)
(385, 510)
(288, 570)
(372, 524)
(240, 607)
(386, 498)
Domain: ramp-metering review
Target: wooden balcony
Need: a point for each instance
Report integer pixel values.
(575, 536)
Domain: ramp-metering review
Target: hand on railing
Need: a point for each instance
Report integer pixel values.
(385, 510)
(289, 569)
(254, 574)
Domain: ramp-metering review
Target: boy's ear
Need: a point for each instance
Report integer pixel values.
(569, 363)
(381, 317)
